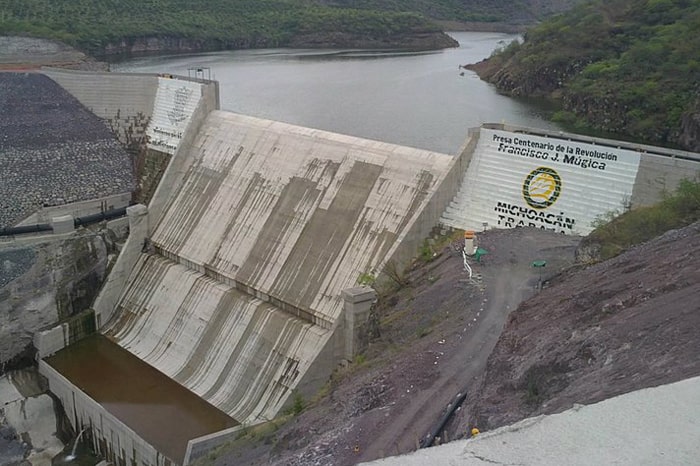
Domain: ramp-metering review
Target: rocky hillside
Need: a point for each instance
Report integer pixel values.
(136, 26)
(596, 332)
(132, 26)
(628, 67)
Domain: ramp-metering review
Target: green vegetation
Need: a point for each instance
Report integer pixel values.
(92, 25)
(623, 66)
(298, 404)
(426, 253)
(456, 10)
(366, 279)
(97, 27)
(642, 224)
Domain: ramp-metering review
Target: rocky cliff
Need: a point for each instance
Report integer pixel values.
(42, 284)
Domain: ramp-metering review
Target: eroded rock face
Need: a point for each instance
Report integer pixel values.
(152, 45)
(415, 41)
(30, 52)
(28, 420)
(45, 283)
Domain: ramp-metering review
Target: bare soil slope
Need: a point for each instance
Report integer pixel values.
(597, 332)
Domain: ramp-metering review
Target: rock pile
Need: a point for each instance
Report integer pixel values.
(53, 151)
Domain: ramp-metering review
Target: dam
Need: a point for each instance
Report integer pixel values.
(239, 279)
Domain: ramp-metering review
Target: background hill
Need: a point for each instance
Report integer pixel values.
(628, 67)
(127, 25)
(511, 12)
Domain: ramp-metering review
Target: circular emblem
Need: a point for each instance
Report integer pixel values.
(542, 187)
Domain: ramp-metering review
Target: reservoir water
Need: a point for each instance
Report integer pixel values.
(413, 99)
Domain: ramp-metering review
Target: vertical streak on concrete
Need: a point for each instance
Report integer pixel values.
(421, 190)
(324, 237)
(200, 189)
(209, 337)
(256, 184)
(274, 232)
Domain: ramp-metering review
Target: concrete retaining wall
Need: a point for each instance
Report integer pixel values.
(48, 342)
(108, 436)
(428, 218)
(113, 287)
(185, 155)
(661, 174)
(201, 446)
(79, 209)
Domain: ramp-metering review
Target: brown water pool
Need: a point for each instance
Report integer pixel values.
(161, 411)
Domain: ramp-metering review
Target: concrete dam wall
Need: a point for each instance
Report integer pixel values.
(270, 224)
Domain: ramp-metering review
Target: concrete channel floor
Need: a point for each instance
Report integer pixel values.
(654, 426)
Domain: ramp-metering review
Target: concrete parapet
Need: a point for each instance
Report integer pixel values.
(114, 286)
(79, 209)
(200, 446)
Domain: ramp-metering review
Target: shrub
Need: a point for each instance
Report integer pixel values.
(615, 233)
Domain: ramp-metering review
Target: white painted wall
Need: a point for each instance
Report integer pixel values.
(175, 102)
(517, 179)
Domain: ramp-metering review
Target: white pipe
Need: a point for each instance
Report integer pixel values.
(466, 264)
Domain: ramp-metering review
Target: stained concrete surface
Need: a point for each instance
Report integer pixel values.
(272, 221)
(648, 427)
